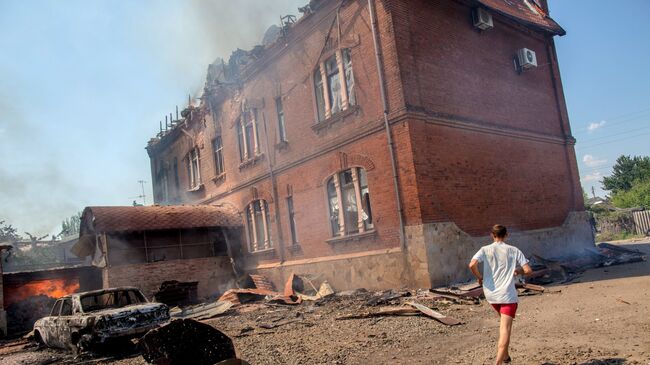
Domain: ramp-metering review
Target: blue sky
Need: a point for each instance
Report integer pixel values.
(83, 85)
(603, 62)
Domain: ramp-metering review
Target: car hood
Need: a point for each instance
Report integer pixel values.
(117, 313)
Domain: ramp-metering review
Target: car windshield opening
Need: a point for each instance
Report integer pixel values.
(111, 300)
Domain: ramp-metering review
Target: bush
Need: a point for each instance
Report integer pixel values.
(637, 196)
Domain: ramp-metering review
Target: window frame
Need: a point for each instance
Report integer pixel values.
(293, 229)
(340, 225)
(282, 127)
(248, 138)
(219, 163)
(337, 66)
(253, 232)
(194, 172)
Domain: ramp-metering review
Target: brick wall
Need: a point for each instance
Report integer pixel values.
(214, 275)
(437, 68)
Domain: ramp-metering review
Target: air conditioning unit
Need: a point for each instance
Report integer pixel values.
(482, 19)
(526, 58)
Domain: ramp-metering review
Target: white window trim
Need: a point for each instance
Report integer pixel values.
(345, 102)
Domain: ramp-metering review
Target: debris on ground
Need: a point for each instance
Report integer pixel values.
(546, 271)
(186, 341)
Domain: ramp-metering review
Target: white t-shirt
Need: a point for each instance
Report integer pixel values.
(499, 263)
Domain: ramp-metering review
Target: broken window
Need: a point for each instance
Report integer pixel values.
(194, 168)
(247, 135)
(349, 76)
(177, 183)
(349, 202)
(282, 131)
(292, 220)
(257, 224)
(66, 307)
(218, 156)
(334, 84)
(320, 95)
(56, 309)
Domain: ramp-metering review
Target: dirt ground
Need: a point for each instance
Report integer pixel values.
(603, 317)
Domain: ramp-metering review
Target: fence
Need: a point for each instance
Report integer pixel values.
(642, 222)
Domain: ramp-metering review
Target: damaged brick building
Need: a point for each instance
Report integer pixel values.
(375, 142)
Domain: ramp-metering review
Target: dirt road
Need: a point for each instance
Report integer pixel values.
(603, 317)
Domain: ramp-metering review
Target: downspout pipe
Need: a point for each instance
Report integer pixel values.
(384, 102)
(274, 188)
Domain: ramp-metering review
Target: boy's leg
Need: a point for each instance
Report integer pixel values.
(505, 328)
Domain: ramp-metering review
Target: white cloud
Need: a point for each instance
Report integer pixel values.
(596, 176)
(593, 126)
(592, 161)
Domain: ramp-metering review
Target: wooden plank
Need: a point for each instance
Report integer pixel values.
(449, 321)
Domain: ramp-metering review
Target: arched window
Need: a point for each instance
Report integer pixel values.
(258, 227)
(349, 202)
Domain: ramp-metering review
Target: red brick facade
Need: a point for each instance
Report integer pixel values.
(475, 141)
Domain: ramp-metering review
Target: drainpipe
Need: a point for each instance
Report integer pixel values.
(274, 188)
(384, 101)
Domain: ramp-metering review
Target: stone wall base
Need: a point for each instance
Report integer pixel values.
(437, 254)
(448, 249)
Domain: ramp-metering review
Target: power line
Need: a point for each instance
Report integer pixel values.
(616, 134)
(612, 141)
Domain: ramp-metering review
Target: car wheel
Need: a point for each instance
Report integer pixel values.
(39, 339)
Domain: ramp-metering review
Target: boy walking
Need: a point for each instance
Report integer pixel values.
(500, 262)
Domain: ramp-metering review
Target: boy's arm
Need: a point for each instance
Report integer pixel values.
(473, 265)
(525, 270)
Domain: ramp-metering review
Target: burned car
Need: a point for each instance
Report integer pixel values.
(84, 320)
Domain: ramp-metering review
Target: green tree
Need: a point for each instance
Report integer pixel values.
(626, 172)
(8, 233)
(637, 196)
(71, 225)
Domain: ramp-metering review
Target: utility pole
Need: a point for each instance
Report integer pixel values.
(593, 192)
(144, 196)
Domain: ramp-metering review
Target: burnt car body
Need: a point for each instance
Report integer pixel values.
(83, 320)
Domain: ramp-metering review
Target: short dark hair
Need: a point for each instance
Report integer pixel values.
(499, 231)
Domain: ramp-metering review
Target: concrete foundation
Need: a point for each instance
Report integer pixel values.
(438, 254)
(448, 249)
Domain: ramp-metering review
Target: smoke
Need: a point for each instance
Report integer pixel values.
(187, 39)
(85, 84)
(30, 177)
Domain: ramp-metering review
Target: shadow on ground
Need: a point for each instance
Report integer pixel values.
(612, 361)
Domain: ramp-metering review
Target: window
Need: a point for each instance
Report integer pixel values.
(177, 183)
(320, 95)
(349, 76)
(248, 136)
(56, 309)
(218, 156)
(349, 202)
(292, 220)
(66, 308)
(334, 85)
(194, 169)
(257, 223)
(282, 131)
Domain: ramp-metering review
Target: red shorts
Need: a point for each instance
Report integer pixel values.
(508, 309)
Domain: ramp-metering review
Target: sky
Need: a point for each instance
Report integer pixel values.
(84, 84)
(603, 62)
